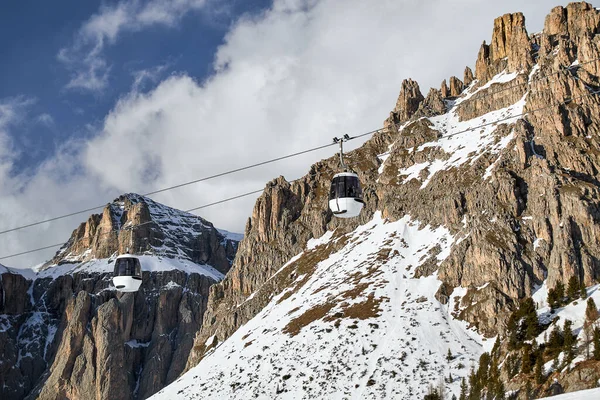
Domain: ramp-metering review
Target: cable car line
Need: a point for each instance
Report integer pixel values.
(477, 97)
(132, 227)
(564, 102)
(187, 183)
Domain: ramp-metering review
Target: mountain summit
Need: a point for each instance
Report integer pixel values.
(142, 226)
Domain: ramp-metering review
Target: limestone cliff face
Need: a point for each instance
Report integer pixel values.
(69, 334)
(525, 212)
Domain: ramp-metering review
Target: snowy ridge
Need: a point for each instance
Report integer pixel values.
(363, 307)
(149, 264)
(27, 273)
(460, 141)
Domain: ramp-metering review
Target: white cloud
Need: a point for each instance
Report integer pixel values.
(54, 186)
(45, 119)
(286, 80)
(85, 59)
(152, 75)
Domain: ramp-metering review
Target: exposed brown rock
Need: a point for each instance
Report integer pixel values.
(407, 104)
(14, 299)
(432, 105)
(510, 48)
(444, 90)
(456, 86)
(468, 76)
(544, 186)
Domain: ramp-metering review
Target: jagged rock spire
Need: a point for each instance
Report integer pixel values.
(409, 99)
(510, 48)
(468, 76)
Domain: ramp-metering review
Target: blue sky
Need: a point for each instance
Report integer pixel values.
(103, 98)
(32, 33)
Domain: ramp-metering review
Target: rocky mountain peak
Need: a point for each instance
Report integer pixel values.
(468, 76)
(509, 49)
(408, 102)
(142, 226)
(576, 20)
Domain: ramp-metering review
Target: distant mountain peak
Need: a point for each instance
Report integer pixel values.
(143, 226)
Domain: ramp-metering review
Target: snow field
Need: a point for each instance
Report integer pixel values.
(360, 326)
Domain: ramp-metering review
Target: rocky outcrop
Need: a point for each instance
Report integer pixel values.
(456, 86)
(468, 76)
(523, 215)
(454, 89)
(408, 102)
(510, 48)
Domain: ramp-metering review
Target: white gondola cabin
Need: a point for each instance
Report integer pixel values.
(345, 195)
(127, 276)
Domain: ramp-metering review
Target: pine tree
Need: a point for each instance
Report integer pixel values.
(496, 347)
(432, 394)
(553, 300)
(555, 342)
(539, 366)
(582, 290)
(591, 311)
(597, 344)
(530, 319)
(495, 385)
(573, 288)
(449, 356)
(591, 316)
(569, 341)
(483, 371)
(464, 390)
(475, 386)
(560, 293)
(526, 359)
(512, 330)
(499, 391)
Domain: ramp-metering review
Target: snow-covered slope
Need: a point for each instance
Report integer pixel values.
(358, 324)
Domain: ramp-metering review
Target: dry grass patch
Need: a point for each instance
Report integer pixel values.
(293, 310)
(318, 312)
(356, 291)
(365, 310)
(306, 265)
